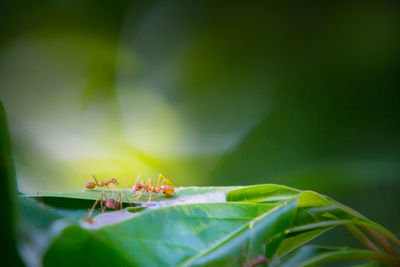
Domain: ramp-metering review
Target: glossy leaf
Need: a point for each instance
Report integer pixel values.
(262, 193)
(195, 234)
(297, 240)
(197, 226)
(315, 211)
(182, 195)
(8, 187)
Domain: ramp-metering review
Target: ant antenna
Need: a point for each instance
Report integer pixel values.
(132, 180)
(95, 179)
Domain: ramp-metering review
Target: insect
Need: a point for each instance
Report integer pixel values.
(92, 185)
(165, 186)
(109, 203)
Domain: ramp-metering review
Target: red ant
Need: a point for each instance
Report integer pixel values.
(109, 203)
(164, 185)
(92, 185)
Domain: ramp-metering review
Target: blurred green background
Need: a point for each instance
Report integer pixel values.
(303, 93)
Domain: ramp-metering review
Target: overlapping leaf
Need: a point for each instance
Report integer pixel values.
(193, 234)
(316, 214)
(222, 226)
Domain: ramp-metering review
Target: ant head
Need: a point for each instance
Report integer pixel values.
(114, 181)
(111, 203)
(90, 185)
(137, 187)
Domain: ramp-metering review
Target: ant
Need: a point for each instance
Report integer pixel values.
(109, 203)
(92, 185)
(164, 185)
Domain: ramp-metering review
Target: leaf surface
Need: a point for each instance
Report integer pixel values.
(182, 195)
(194, 234)
(212, 226)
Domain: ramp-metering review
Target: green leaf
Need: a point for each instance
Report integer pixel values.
(197, 226)
(182, 195)
(194, 234)
(262, 193)
(315, 211)
(295, 241)
(267, 228)
(8, 185)
(37, 227)
(318, 255)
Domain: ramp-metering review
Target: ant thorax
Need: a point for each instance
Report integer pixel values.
(112, 181)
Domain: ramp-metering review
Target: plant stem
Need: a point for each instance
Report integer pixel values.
(383, 242)
(362, 237)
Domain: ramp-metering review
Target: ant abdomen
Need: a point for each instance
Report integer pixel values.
(90, 185)
(167, 190)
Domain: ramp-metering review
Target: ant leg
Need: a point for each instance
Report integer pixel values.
(150, 181)
(151, 194)
(102, 194)
(95, 180)
(163, 182)
(167, 181)
(139, 195)
(127, 200)
(130, 182)
(92, 209)
(153, 190)
(112, 191)
(120, 200)
(159, 180)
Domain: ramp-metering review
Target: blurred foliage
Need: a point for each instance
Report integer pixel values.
(9, 216)
(216, 226)
(208, 93)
